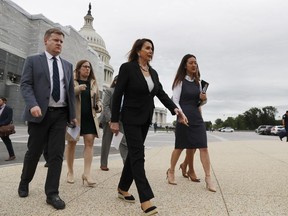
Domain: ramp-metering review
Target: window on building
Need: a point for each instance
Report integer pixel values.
(10, 67)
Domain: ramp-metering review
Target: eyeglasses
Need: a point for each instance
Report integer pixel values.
(86, 66)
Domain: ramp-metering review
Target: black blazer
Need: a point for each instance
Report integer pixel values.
(138, 103)
(6, 116)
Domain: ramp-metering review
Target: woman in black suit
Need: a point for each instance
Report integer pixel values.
(138, 82)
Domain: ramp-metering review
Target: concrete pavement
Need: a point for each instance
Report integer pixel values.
(251, 178)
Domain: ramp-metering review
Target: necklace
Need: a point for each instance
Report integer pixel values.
(146, 69)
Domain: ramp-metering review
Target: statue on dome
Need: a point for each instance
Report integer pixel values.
(89, 11)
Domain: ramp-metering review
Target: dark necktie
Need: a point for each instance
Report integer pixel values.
(56, 81)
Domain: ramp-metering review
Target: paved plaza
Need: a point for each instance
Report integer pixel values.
(250, 174)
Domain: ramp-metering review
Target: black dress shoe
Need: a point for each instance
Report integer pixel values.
(23, 190)
(55, 201)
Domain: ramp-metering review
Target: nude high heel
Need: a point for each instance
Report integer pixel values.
(70, 178)
(89, 183)
(171, 177)
(209, 185)
(193, 179)
(183, 169)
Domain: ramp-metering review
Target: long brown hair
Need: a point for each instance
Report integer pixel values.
(181, 72)
(137, 46)
(77, 70)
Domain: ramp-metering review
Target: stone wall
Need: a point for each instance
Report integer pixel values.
(21, 35)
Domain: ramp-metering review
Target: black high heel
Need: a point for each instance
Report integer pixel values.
(129, 199)
(150, 211)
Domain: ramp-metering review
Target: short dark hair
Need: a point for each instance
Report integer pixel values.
(51, 31)
(3, 99)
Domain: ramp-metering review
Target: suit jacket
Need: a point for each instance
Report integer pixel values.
(36, 86)
(138, 103)
(6, 116)
(107, 105)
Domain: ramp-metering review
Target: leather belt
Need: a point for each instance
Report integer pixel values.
(51, 109)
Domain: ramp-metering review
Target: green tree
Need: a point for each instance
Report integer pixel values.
(252, 118)
(268, 115)
(218, 123)
(239, 123)
(229, 122)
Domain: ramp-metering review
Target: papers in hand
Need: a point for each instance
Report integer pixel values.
(116, 140)
(204, 86)
(73, 132)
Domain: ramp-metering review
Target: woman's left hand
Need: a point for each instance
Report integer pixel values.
(100, 107)
(203, 96)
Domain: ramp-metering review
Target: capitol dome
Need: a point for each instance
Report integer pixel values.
(96, 42)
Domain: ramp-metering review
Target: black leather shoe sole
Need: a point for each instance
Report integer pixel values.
(56, 202)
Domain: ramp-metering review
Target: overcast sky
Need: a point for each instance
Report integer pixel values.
(241, 45)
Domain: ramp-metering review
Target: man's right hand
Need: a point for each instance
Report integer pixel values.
(36, 111)
(114, 126)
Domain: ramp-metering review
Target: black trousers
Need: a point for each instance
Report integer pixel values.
(7, 141)
(50, 132)
(134, 165)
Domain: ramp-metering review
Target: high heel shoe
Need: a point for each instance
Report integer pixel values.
(150, 211)
(184, 173)
(209, 184)
(129, 198)
(171, 177)
(193, 179)
(70, 178)
(89, 183)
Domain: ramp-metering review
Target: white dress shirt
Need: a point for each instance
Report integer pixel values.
(62, 101)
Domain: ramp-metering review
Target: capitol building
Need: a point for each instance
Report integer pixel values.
(21, 35)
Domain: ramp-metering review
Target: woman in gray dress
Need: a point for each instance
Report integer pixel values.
(186, 95)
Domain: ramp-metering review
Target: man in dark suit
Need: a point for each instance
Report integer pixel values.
(48, 91)
(284, 133)
(6, 116)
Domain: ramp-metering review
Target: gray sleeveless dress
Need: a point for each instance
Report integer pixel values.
(193, 136)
